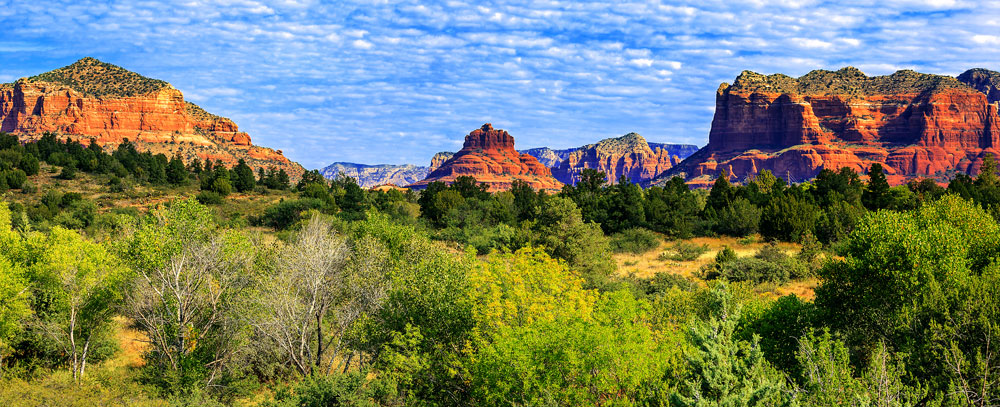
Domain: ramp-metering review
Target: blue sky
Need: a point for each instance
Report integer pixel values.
(394, 82)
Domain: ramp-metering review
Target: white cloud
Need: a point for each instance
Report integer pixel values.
(985, 39)
(642, 62)
(355, 80)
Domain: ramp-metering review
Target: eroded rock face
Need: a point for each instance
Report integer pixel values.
(92, 100)
(439, 159)
(629, 155)
(566, 164)
(489, 156)
(916, 125)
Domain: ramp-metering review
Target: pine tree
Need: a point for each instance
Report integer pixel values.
(722, 193)
(243, 179)
(987, 172)
(282, 181)
(176, 173)
(876, 195)
(195, 166)
(726, 371)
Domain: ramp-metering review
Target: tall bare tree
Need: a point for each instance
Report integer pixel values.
(322, 285)
(191, 306)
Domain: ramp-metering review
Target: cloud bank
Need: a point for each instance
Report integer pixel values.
(396, 81)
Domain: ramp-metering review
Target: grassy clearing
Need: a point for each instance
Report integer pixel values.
(110, 383)
(650, 263)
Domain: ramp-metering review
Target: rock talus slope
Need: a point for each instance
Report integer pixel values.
(489, 156)
(915, 124)
(93, 100)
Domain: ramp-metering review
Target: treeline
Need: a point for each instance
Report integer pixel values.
(17, 161)
(353, 302)
(120, 169)
(372, 312)
(826, 208)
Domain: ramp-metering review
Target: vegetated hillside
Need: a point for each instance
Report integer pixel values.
(373, 175)
(93, 100)
(93, 78)
(458, 296)
(914, 124)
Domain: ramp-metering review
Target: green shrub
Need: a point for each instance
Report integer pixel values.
(15, 178)
(769, 265)
(68, 172)
(29, 188)
(287, 213)
(635, 240)
(661, 283)
(349, 389)
(780, 325)
(209, 198)
(222, 186)
(754, 270)
(684, 251)
(739, 218)
(773, 254)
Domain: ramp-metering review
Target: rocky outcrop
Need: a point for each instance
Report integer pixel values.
(439, 159)
(489, 156)
(682, 151)
(916, 125)
(369, 176)
(629, 155)
(549, 157)
(95, 101)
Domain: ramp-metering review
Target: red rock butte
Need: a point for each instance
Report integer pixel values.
(916, 125)
(488, 155)
(92, 100)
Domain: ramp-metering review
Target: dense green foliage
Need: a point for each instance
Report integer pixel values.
(457, 296)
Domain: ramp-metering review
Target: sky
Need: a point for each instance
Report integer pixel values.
(394, 82)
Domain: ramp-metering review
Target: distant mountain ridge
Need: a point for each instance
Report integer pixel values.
(628, 156)
(93, 100)
(549, 157)
(374, 175)
(653, 157)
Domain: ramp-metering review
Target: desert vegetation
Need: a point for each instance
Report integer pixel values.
(129, 278)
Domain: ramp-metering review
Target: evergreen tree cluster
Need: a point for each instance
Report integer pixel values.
(124, 165)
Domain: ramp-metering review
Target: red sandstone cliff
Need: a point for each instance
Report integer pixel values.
(92, 100)
(489, 156)
(628, 155)
(915, 124)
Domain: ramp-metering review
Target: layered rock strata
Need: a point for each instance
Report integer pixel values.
(95, 101)
(489, 156)
(629, 156)
(916, 125)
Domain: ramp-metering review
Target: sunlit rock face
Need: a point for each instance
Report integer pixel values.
(916, 125)
(489, 156)
(92, 101)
